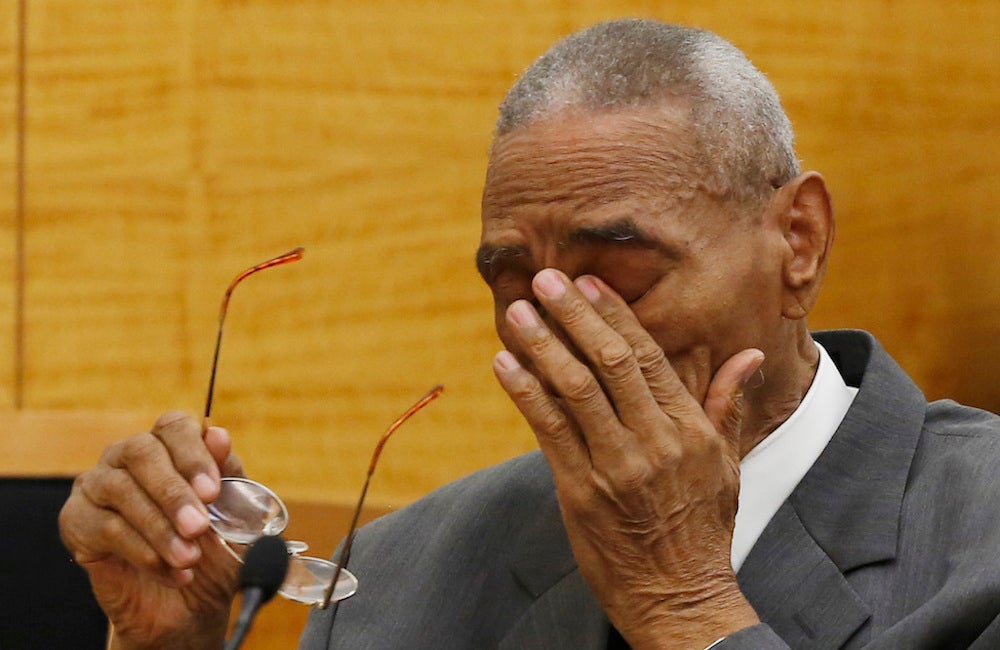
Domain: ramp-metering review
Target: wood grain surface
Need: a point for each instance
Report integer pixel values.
(173, 143)
(9, 62)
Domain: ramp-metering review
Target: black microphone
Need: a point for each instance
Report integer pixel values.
(264, 567)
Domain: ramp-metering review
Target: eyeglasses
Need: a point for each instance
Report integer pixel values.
(246, 510)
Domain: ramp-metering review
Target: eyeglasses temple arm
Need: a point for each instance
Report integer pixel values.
(345, 553)
(290, 256)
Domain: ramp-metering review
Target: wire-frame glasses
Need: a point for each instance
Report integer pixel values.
(245, 509)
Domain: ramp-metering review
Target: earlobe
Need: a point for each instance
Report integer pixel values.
(808, 229)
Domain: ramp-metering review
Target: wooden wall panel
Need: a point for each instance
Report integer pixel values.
(216, 135)
(909, 145)
(109, 222)
(173, 143)
(9, 60)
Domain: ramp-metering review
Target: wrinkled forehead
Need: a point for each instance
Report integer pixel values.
(578, 161)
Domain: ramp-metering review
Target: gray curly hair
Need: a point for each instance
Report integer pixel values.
(743, 138)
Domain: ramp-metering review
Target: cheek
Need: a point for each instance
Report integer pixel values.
(632, 275)
(688, 341)
(673, 314)
(690, 321)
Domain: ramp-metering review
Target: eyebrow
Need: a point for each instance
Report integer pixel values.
(621, 231)
(490, 259)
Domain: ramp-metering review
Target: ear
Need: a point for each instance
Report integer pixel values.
(805, 214)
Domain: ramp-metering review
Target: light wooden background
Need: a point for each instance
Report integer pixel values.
(168, 144)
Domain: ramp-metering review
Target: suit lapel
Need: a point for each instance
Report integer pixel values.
(845, 512)
(564, 617)
(797, 589)
(850, 500)
(563, 614)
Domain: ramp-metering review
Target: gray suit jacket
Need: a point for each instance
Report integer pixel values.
(891, 540)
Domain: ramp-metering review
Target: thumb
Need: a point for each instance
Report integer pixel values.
(724, 400)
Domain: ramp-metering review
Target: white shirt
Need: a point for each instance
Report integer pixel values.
(773, 468)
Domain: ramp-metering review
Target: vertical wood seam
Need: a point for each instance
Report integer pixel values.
(19, 210)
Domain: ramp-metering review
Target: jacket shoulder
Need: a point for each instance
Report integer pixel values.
(485, 497)
(949, 418)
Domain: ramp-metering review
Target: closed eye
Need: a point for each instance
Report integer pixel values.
(492, 261)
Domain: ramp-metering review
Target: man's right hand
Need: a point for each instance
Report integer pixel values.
(137, 524)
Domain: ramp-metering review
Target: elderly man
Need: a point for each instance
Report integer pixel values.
(710, 473)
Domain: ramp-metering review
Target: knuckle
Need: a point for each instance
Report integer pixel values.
(66, 520)
(112, 452)
(522, 388)
(632, 477)
(119, 538)
(100, 486)
(581, 387)
(175, 494)
(551, 421)
(114, 482)
(671, 454)
(138, 448)
(713, 446)
(616, 359)
(575, 311)
(650, 357)
(79, 482)
(544, 415)
(112, 530)
(623, 481)
(541, 343)
(80, 556)
(84, 485)
(145, 557)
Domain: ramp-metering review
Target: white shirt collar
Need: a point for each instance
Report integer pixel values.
(773, 468)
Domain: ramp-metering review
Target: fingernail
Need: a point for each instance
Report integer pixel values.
(191, 521)
(588, 288)
(752, 371)
(183, 576)
(204, 486)
(183, 551)
(523, 314)
(505, 361)
(550, 284)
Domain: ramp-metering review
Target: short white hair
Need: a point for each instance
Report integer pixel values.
(743, 138)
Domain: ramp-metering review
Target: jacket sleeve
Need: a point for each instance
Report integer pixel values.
(758, 637)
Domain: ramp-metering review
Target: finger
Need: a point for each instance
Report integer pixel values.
(612, 356)
(559, 441)
(667, 390)
(220, 446)
(574, 382)
(99, 539)
(183, 437)
(123, 513)
(148, 463)
(724, 401)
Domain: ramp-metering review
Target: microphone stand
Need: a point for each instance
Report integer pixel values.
(261, 575)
